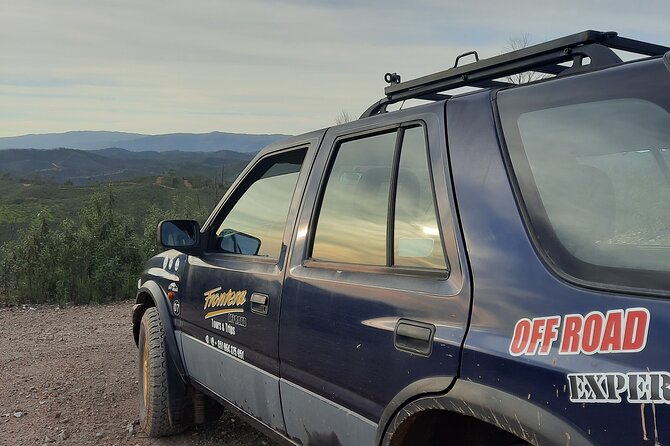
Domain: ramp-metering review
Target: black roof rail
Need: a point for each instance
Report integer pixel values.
(543, 58)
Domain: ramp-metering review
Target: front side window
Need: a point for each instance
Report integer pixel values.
(380, 185)
(594, 174)
(256, 222)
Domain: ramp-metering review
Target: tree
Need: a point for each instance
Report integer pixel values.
(96, 260)
(343, 117)
(95, 256)
(112, 250)
(517, 43)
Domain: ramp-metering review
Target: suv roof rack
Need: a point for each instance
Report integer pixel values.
(543, 58)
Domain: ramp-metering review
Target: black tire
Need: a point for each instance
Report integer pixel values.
(437, 428)
(154, 418)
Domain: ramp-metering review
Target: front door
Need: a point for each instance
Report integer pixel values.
(376, 297)
(230, 315)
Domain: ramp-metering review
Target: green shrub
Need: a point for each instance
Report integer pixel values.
(97, 258)
(62, 262)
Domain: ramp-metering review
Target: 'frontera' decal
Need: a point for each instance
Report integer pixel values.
(228, 301)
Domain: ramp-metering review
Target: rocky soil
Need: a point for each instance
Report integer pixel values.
(69, 376)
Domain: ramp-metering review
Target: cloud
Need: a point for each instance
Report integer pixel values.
(254, 65)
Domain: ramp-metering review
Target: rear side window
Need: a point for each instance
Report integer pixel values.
(352, 222)
(593, 168)
(416, 234)
(378, 206)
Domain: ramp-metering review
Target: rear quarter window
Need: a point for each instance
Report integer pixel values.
(591, 156)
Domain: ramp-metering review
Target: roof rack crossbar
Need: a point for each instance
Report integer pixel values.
(544, 58)
(434, 97)
(550, 69)
(486, 83)
(636, 46)
(465, 78)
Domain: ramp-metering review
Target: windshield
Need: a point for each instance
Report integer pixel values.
(592, 159)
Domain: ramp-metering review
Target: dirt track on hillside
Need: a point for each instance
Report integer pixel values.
(69, 376)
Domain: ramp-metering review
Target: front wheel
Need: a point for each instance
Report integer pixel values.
(153, 377)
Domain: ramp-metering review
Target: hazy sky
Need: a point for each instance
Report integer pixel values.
(255, 66)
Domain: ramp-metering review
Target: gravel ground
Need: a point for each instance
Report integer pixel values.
(69, 376)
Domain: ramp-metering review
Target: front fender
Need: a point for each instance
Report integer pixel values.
(157, 298)
(150, 294)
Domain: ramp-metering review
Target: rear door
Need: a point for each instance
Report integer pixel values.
(230, 309)
(376, 298)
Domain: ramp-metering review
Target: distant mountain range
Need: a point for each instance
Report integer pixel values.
(136, 142)
(80, 166)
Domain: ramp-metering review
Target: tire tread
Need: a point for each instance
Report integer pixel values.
(154, 417)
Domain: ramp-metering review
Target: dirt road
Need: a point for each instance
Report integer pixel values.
(69, 376)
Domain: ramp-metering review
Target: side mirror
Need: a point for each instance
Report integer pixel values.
(239, 243)
(182, 235)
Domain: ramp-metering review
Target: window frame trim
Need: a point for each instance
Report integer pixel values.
(393, 194)
(441, 274)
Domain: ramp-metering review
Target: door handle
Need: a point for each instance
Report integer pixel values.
(414, 337)
(259, 304)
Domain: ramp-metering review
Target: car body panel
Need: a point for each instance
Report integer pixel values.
(225, 344)
(337, 327)
(513, 283)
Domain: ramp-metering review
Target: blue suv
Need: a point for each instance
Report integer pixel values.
(487, 268)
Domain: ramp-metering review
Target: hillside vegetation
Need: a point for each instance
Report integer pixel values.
(80, 166)
(66, 242)
(96, 256)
